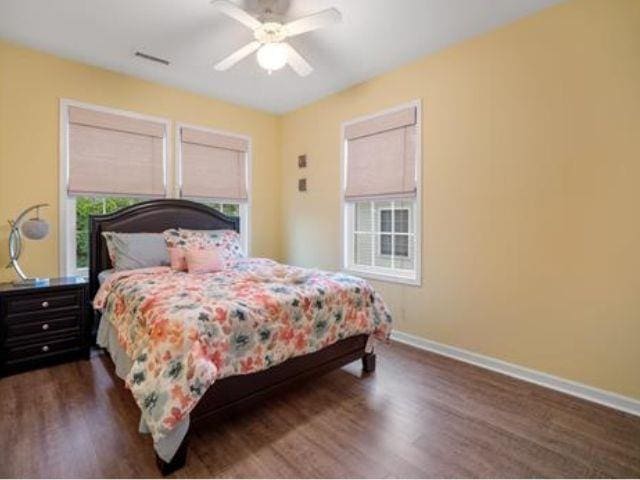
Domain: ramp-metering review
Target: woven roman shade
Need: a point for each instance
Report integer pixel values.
(213, 165)
(381, 156)
(114, 154)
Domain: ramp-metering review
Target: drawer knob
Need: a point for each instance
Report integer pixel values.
(45, 326)
(45, 304)
(45, 348)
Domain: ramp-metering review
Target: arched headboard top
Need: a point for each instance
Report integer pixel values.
(153, 216)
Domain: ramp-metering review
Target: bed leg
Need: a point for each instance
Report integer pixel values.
(369, 362)
(177, 462)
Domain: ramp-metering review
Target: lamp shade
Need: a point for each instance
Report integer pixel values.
(35, 228)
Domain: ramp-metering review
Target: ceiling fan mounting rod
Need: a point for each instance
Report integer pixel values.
(270, 32)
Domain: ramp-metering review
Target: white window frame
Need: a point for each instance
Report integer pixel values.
(67, 204)
(347, 210)
(244, 207)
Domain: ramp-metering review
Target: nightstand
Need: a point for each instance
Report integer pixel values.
(43, 324)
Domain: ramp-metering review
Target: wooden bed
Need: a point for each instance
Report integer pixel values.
(231, 393)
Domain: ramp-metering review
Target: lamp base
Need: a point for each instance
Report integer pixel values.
(31, 282)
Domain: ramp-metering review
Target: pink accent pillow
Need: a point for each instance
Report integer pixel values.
(178, 259)
(204, 261)
(226, 241)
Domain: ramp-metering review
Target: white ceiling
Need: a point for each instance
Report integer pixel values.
(375, 36)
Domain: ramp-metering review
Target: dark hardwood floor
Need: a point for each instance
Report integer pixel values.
(418, 415)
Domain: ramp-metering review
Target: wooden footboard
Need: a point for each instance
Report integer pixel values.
(232, 394)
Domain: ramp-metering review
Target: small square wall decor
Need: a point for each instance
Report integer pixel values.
(302, 185)
(302, 161)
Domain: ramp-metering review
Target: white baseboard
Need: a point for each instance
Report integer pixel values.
(603, 397)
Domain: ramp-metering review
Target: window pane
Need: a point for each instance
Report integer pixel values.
(406, 206)
(363, 217)
(380, 216)
(385, 221)
(231, 209)
(401, 245)
(383, 251)
(113, 204)
(401, 220)
(405, 262)
(385, 244)
(362, 246)
(82, 249)
(86, 206)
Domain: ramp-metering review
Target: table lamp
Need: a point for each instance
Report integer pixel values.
(34, 229)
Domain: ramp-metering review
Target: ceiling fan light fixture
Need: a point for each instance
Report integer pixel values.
(272, 56)
(273, 52)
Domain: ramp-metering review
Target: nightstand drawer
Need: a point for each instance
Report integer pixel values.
(44, 325)
(44, 301)
(40, 349)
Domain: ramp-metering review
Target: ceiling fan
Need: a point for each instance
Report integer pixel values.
(273, 52)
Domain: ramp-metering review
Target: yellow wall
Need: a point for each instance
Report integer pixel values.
(31, 84)
(531, 179)
(531, 170)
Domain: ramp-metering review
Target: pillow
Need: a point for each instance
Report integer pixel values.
(226, 241)
(129, 251)
(178, 259)
(110, 249)
(204, 261)
(103, 275)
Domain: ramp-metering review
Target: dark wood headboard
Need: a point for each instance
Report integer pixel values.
(154, 216)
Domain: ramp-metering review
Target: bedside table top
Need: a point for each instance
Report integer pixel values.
(52, 283)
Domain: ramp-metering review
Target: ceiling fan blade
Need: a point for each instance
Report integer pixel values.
(313, 22)
(235, 12)
(236, 56)
(299, 64)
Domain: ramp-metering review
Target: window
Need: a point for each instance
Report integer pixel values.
(109, 159)
(383, 237)
(213, 168)
(381, 219)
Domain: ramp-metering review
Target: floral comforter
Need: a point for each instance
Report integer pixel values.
(184, 331)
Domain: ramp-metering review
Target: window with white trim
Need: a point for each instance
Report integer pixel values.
(381, 220)
(214, 168)
(111, 159)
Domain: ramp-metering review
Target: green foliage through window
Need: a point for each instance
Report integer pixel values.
(231, 209)
(86, 206)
